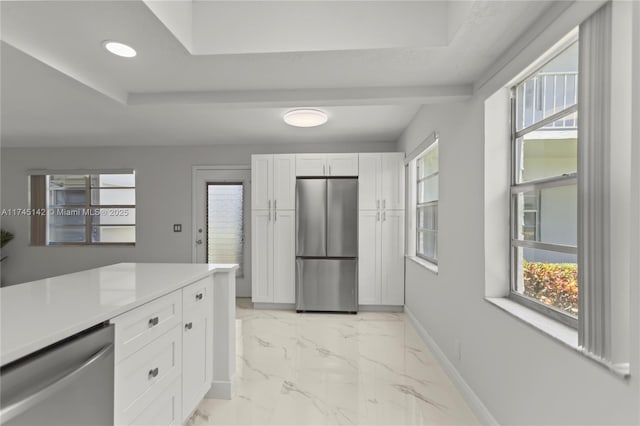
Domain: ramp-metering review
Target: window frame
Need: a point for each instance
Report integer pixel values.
(41, 238)
(517, 187)
(431, 203)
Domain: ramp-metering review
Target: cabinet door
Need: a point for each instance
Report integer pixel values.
(393, 181)
(261, 256)
(164, 410)
(261, 181)
(197, 361)
(311, 164)
(369, 257)
(369, 178)
(284, 182)
(392, 270)
(284, 256)
(342, 164)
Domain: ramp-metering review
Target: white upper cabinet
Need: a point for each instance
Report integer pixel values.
(369, 181)
(392, 195)
(284, 182)
(311, 164)
(381, 181)
(261, 181)
(273, 182)
(326, 165)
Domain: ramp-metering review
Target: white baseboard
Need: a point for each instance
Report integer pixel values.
(475, 403)
(221, 390)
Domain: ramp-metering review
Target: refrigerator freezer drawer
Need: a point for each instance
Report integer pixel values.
(327, 285)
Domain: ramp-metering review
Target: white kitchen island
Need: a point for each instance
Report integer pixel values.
(37, 314)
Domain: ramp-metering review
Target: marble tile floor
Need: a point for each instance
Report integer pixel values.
(333, 369)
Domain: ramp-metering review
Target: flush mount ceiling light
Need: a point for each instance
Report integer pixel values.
(305, 117)
(119, 49)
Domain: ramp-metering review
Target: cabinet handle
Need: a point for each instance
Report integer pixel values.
(377, 216)
(384, 203)
(323, 171)
(329, 169)
(275, 204)
(188, 326)
(377, 204)
(153, 373)
(275, 216)
(269, 214)
(384, 216)
(153, 321)
(199, 296)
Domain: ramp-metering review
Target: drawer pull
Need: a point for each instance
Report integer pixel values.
(199, 296)
(153, 321)
(153, 373)
(188, 326)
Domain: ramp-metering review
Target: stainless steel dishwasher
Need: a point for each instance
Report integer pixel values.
(68, 383)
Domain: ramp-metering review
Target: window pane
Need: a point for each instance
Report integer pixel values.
(67, 197)
(116, 197)
(548, 153)
(67, 181)
(550, 278)
(113, 234)
(550, 90)
(115, 180)
(66, 234)
(225, 224)
(428, 189)
(428, 244)
(61, 216)
(428, 163)
(549, 215)
(114, 216)
(428, 217)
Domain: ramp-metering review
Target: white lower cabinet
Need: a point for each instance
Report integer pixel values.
(197, 345)
(165, 372)
(381, 257)
(273, 252)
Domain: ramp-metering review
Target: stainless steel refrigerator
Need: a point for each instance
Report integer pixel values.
(327, 244)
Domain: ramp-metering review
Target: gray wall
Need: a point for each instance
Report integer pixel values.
(520, 374)
(163, 178)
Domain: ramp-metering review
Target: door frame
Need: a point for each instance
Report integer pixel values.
(195, 188)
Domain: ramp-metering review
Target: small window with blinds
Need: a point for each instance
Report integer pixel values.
(83, 208)
(225, 224)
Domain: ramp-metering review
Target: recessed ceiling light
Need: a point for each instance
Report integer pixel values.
(119, 49)
(305, 117)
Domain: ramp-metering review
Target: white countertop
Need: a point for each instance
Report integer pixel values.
(38, 313)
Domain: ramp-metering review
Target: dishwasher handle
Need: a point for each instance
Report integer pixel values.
(14, 409)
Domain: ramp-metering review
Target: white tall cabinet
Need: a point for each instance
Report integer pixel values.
(381, 229)
(273, 179)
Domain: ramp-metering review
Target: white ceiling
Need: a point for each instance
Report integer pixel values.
(217, 72)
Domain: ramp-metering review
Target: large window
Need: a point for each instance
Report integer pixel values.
(544, 194)
(427, 184)
(83, 209)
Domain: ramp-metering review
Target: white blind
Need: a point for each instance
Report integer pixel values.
(225, 224)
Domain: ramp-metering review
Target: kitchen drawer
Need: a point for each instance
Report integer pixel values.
(143, 376)
(137, 328)
(198, 295)
(164, 410)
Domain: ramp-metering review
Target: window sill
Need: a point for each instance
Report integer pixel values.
(425, 264)
(563, 333)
